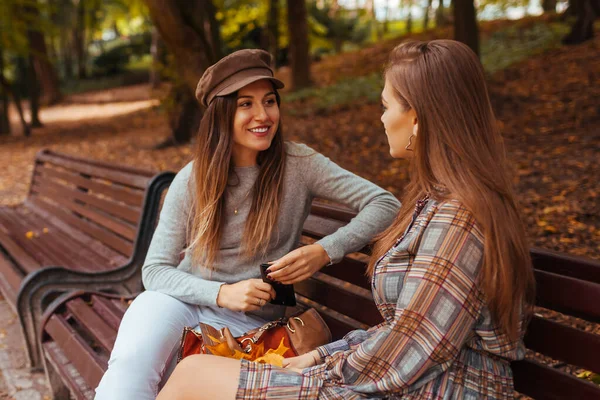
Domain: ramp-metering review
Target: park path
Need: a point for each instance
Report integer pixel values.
(17, 382)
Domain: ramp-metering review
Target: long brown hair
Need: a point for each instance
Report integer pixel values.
(459, 153)
(212, 171)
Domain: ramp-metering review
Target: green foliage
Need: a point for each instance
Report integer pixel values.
(118, 53)
(310, 100)
(508, 46)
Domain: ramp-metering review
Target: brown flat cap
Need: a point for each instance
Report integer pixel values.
(233, 72)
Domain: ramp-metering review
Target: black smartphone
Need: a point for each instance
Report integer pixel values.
(284, 294)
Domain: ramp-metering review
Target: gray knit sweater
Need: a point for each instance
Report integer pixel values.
(308, 174)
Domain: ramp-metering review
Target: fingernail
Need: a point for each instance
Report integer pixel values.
(270, 277)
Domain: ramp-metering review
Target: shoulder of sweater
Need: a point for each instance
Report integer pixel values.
(298, 149)
(183, 179)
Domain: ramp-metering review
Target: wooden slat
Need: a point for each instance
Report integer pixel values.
(569, 295)
(54, 248)
(51, 213)
(329, 211)
(339, 323)
(46, 252)
(67, 372)
(93, 323)
(76, 350)
(126, 195)
(107, 310)
(545, 383)
(350, 270)
(564, 343)
(565, 264)
(104, 220)
(25, 261)
(98, 233)
(125, 212)
(98, 163)
(10, 280)
(343, 297)
(121, 177)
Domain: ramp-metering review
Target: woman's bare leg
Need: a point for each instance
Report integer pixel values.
(203, 377)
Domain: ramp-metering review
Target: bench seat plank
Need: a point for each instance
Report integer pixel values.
(88, 319)
(79, 353)
(52, 248)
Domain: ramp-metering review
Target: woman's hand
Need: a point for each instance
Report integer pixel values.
(248, 295)
(299, 264)
(300, 362)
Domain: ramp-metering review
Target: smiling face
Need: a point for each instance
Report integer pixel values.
(255, 123)
(400, 122)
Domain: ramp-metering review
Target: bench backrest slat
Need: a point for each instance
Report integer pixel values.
(564, 264)
(90, 199)
(347, 299)
(110, 172)
(562, 342)
(96, 232)
(338, 323)
(570, 295)
(127, 195)
(69, 200)
(542, 382)
(100, 199)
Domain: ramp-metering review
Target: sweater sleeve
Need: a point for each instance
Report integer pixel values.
(160, 272)
(376, 207)
(435, 314)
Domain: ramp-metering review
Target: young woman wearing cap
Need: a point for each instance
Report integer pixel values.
(241, 202)
(451, 276)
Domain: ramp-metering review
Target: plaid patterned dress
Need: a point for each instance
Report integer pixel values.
(438, 340)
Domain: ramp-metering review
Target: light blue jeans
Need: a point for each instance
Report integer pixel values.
(145, 351)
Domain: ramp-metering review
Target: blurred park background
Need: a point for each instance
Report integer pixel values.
(114, 80)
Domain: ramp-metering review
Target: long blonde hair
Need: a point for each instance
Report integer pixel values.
(460, 154)
(212, 169)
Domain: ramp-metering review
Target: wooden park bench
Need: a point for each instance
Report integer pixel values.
(93, 219)
(80, 327)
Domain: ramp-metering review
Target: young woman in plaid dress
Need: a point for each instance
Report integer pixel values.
(451, 276)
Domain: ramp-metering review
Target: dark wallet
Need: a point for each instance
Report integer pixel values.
(284, 294)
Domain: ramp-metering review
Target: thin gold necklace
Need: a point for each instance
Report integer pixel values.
(235, 209)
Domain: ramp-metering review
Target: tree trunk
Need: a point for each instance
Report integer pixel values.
(191, 33)
(299, 48)
(549, 6)
(273, 28)
(386, 21)
(47, 80)
(465, 24)
(583, 28)
(155, 52)
(4, 121)
(7, 88)
(409, 19)
(79, 43)
(33, 88)
(426, 13)
(440, 15)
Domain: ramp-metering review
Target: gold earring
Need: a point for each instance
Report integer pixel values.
(409, 143)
